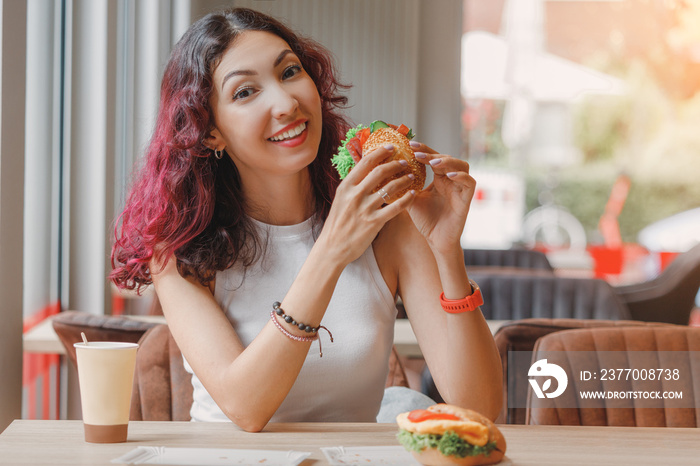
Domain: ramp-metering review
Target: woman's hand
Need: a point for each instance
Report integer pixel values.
(440, 210)
(357, 215)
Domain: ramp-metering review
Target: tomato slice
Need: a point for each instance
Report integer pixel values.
(363, 135)
(420, 415)
(403, 129)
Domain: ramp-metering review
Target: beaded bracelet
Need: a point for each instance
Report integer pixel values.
(307, 328)
(276, 306)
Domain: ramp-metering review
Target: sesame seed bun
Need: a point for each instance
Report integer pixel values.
(402, 150)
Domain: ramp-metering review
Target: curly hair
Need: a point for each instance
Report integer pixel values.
(187, 203)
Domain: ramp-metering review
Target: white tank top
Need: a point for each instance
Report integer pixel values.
(347, 383)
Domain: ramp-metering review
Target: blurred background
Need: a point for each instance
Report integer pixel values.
(579, 120)
(582, 116)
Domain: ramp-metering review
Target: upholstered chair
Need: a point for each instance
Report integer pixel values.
(673, 346)
(521, 335)
(162, 388)
(523, 296)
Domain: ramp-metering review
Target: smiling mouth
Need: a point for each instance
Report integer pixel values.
(291, 134)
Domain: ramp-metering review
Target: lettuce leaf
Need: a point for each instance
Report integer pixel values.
(342, 161)
(449, 444)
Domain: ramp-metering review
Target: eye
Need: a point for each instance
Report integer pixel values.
(291, 71)
(242, 93)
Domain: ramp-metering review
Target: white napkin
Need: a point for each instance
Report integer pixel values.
(210, 456)
(389, 455)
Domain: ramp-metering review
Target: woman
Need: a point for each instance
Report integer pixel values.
(238, 207)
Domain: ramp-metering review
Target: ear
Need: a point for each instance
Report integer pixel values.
(215, 140)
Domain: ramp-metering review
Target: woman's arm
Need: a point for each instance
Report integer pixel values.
(458, 348)
(250, 383)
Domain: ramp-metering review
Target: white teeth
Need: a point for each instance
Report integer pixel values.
(290, 134)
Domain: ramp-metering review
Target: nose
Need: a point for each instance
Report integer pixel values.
(284, 103)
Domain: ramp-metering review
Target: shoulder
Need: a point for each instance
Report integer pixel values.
(165, 269)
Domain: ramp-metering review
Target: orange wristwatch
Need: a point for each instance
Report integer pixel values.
(470, 303)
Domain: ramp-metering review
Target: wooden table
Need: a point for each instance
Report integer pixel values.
(61, 442)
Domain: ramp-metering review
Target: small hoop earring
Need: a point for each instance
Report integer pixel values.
(218, 153)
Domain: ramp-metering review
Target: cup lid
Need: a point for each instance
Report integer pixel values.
(106, 345)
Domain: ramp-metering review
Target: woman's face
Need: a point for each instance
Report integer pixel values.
(266, 108)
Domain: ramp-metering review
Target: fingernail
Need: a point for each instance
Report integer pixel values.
(389, 147)
(413, 192)
(411, 176)
(420, 155)
(435, 162)
(403, 163)
(414, 144)
(451, 174)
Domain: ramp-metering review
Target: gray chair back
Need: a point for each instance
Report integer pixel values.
(511, 258)
(670, 297)
(524, 296)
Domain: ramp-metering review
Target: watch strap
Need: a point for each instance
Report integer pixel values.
(470, 303)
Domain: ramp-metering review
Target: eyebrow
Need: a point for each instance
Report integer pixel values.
(233, 73)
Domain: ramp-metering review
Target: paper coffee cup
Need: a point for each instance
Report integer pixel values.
(106, 376)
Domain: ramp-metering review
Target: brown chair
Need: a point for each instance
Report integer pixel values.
(670, 346)
(68, 326)
(521, 336)
(162, 388)
(670, 297)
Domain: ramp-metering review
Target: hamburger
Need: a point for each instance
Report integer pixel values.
(363, 140)
(445, 434)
